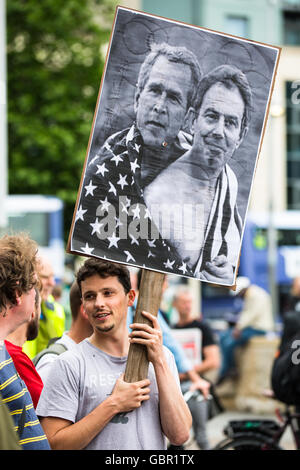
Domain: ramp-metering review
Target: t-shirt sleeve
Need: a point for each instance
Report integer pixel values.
(207, 335)
(44, 365)
(60, 394)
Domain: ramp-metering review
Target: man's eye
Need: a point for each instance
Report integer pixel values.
(211, 116)
(154, 90)
(231, 123)
(89, 297)
(173, 97)
(108, 292)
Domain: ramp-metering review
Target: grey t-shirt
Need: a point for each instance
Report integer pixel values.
(83, 378)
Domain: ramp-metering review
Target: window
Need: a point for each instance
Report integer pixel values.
(34, 223)
(291, 25)
(293, 144)
(236, 25)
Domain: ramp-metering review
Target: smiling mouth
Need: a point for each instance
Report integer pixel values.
(101, 315)
(214, 146)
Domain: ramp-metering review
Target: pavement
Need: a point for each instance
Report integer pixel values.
(216, 425)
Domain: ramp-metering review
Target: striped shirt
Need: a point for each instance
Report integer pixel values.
(16, 396)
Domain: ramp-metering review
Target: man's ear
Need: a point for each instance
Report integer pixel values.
(136, 101)
(83, 312)
(189, 120)
(18, 299)
(131, 297)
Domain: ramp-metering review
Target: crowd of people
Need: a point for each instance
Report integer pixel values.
(49, 407)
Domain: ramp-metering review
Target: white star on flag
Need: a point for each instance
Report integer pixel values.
(183, 268)
(101, 169)
(151, 243)
(122, 181)
(134, 165)
(80, 213)
(169, 264)
(136, 212)
(118, 222)
(124, 208)
(129, 256)
(130, 135)
(137, 147)
(96, 226)
(112, 189)
(90, 188)
(113, 240)
(117, 159)
(105, 204)
(87, 249)
(150, 254)
(147, 214)
(133, 240)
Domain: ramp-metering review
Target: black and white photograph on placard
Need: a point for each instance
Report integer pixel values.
(174, 145)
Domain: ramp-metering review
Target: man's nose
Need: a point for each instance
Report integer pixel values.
(219, 127)
(160, 103)
(99, 303)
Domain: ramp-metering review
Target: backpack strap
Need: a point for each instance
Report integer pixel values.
(55, 348)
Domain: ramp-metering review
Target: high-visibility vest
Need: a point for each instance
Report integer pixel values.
(52, 325)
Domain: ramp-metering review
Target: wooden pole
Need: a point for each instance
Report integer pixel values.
(149, 299)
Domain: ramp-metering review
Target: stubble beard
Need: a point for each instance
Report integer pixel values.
(104, 329)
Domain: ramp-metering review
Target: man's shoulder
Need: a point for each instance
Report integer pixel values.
(110, 145)
(202, 325)
(100, 156)
(71, 356)
(191, 324)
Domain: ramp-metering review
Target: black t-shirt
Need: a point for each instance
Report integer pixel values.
(207, 333)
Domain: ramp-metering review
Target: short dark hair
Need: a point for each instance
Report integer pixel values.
(228, 75)
(177, 54)
(104, 269)
(75, 299)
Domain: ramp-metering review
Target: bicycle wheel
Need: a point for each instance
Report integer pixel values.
(246, 443)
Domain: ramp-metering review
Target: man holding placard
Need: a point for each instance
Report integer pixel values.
(86, 404)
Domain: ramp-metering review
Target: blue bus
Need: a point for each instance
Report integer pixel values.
(217, 301)
(42, 218)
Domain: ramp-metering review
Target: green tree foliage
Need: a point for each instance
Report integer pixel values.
(54, 67)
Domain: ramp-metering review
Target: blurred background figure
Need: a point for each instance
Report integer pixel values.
(79, 330)
(24, 365)
(255, 319)
(57, 293)
(52, 320)
(291, 314)
(209, 360)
